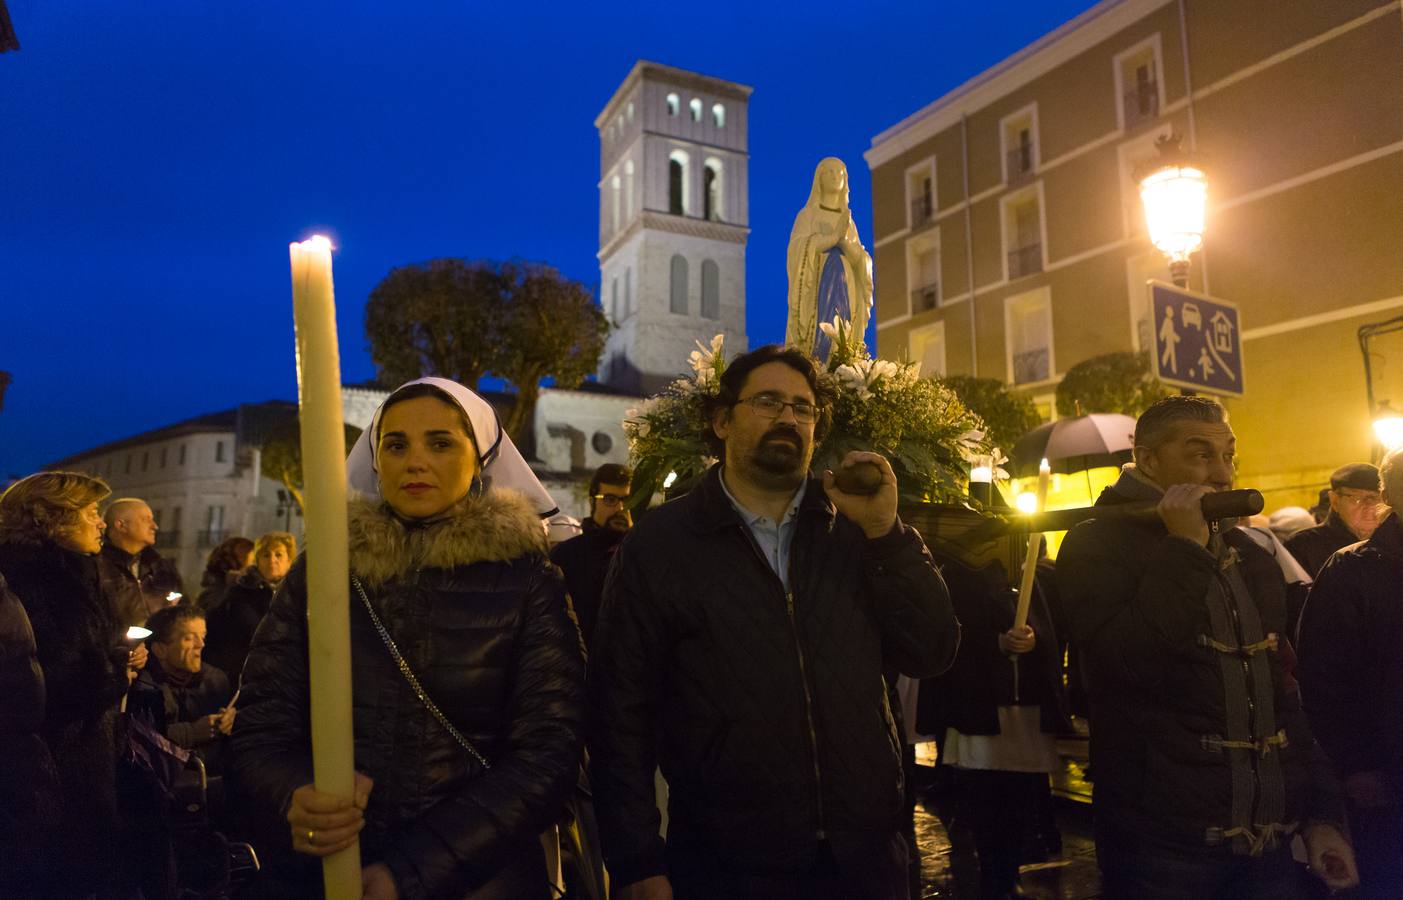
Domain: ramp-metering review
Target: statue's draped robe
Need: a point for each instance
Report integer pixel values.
(822, 283)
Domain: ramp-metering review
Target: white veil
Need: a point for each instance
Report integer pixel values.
(501, 463)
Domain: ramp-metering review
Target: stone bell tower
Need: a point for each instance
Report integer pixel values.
(673, 221)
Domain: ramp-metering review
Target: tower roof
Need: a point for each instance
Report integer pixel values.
(672, 75)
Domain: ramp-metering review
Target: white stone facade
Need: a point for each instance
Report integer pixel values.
(674, 199)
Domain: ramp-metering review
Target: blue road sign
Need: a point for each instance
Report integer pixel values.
(1198, 340)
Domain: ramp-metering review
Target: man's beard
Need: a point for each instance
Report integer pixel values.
(779, 460)
(619, 522)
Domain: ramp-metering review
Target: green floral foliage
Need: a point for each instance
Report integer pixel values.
(1008, 414)
(1111, 383)
(919, 424)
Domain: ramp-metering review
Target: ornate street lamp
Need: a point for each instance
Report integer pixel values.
(1174, 193)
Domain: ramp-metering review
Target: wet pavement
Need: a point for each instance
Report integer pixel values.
(951, 871)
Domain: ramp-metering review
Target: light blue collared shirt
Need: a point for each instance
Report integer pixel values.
(773, 538)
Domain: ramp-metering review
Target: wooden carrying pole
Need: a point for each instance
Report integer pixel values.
(1030, 562)
(328, 600)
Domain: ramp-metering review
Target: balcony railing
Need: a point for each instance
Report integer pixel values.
(1019, 164)
(1031, 366)
(922, 212)
(1025, 261)
(924, 299)
(1141, 103)
(210, 537)
(168, 539)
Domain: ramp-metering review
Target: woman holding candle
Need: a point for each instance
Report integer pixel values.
(467, 672)
(50, 534)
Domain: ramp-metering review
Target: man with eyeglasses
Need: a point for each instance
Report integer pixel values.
(1352, 686)
(741, 647)
(585, 558)
(1356, 507)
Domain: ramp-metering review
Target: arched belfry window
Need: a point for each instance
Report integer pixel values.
(628, 190)
(674, 104)
(718, 115)
(614, 185)
(711, 190)
(711, 290)
(678, 187)
(679, 284)
(696, 107)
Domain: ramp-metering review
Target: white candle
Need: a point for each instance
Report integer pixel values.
(1035, 543)
(324, 516)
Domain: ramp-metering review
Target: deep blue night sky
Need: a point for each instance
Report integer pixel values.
(157, 157)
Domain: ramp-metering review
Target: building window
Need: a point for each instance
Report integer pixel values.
(920, 194)
(615, 189)
(129, 464)
(628, 191)
(219, 453)
(678, 186)
(696, 107)
(678, 286)
(628, 292)
(614, 298)
(601, 443)
(213, 531)
(1139, 79)
(711, 290)
(1018, 136)
(1028, 336)
(718, 115)
(180, 461)
(1023, 232)
(711, 190)
(926, 346)
(674, 104)
(630, 110)
(923, 272)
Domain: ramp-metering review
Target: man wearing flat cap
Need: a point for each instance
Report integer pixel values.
(1356, 506)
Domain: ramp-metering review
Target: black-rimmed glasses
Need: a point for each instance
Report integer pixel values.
(770, 408)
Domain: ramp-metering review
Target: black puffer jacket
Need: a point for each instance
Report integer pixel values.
(233, 617)
(1350, 672)
(78, 644)
(136, 595)
(1160, 621)
(480, 615)
(29, 792)
(767, 712)
(1313, 546)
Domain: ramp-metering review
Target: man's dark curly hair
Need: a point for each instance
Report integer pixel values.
(739, 369)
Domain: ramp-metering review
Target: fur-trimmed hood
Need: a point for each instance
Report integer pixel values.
(500, 525)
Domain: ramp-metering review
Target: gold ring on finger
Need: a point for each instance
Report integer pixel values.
(311, 837)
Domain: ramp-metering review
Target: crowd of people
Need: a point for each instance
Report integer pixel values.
(703, 703)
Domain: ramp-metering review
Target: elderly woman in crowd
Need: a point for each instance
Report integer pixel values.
(448, 574)
(233, 617)
(50, 534)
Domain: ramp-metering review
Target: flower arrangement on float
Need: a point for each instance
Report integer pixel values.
(930, 437)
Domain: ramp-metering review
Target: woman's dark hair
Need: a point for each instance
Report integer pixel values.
(413, 391)
(229, 556)
(738, 371)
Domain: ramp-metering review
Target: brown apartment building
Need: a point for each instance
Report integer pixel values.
(1018, 184)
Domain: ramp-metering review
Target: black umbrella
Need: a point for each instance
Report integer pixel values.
(1074, 445)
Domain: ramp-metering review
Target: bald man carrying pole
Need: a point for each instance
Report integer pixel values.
(137, 579)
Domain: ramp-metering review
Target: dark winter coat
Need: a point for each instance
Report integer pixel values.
(480, 615)
(181, 711)
(983, 678)
(137, 585)
(1349, 667)
(29, 790)
(585, 561)
(78, 644)
(1180, 651)
(1314, 546)
(766, 710)
(232, 619)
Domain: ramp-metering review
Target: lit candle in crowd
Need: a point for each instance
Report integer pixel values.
(1035, 543)
(328, 604)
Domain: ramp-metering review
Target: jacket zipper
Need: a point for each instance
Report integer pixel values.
(1251, 696)
(803, 677)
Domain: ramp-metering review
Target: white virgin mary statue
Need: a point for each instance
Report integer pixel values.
(829, 272)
